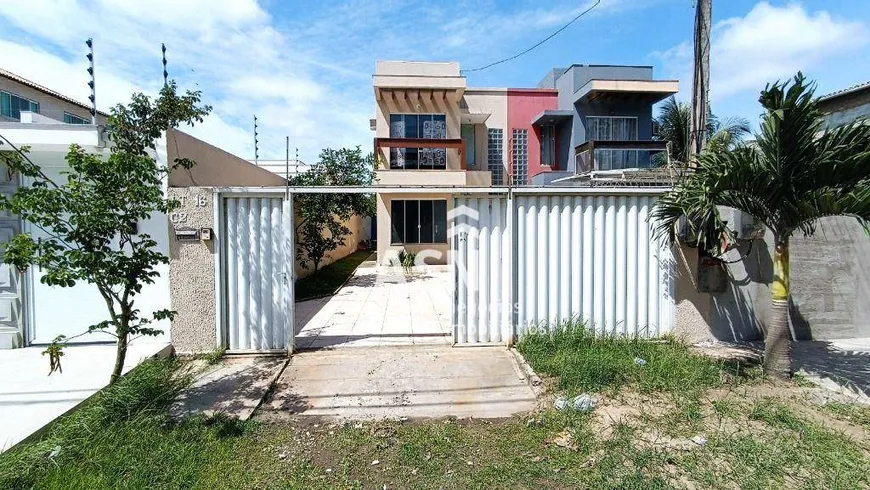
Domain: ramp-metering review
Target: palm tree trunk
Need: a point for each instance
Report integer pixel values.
(777, 345)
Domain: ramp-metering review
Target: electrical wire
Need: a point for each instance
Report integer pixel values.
(551, 36)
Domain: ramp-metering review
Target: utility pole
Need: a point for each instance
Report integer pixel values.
(701, 80)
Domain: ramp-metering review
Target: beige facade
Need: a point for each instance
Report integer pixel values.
(486, 108)
(388, 252)
(432, 88)
(52, 105)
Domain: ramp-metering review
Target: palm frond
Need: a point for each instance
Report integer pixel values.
(795, 174)
(672, 125)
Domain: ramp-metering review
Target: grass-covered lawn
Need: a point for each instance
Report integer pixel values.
(759, 434)
(327, 279)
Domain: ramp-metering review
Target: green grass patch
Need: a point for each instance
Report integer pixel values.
(583, 361)
(855, 414)
(329, 278)
(147, 390)
(124, 438)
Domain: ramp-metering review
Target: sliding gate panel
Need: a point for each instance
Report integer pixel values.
(258, 258)
(592, 258)
(481, 246)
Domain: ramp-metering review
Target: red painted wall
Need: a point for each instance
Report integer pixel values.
(523, 105)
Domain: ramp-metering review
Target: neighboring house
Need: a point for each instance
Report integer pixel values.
(48, 122)
(432, 129)
(27, 102)
(604, 118)
(845, 106)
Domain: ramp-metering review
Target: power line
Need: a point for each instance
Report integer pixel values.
(551, 36)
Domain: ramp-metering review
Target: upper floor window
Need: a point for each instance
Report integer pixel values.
(611, 128)
(467, 133)
(12, 105)
(429, 126)
(73, 119)
(548, 145)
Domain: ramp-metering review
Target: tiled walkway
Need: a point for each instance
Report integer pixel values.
(378, 307)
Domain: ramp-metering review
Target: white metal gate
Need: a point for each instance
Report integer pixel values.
(541, 259)
(592, 258)
(258, 270)
(481, 244)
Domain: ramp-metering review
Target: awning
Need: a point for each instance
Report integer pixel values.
(553, 117)
(473, 117)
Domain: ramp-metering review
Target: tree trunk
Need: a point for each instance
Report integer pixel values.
(777, 345)
(120, 357)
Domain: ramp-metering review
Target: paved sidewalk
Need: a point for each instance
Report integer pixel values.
(380, 306)
(30, 398)
(234, 386)
(408, 381)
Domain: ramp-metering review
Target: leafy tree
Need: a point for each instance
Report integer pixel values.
(91, 215)
(795, 174)
(674, 125)
(321, 217)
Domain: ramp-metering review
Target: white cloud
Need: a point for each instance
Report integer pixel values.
(231, 50)
(306, 75)
(766, 44)
(771, 42)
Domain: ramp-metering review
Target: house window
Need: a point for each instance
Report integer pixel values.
(548, 146)
(467, 133)
(73, 119)
(418, 221)
(613, 128)
(429, 126)
(520, 157)
(494, 145)
(11, 105)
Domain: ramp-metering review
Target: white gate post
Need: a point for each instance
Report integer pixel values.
(289, 253)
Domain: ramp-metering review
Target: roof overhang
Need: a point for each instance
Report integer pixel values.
(468, 117)
(399, 85)
(553, 117)
(650, 91)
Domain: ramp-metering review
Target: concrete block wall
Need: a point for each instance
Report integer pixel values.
(830, 285)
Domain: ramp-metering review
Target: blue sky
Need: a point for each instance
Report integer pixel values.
(305, 67)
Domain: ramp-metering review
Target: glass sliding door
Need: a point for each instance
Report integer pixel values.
(428, 126)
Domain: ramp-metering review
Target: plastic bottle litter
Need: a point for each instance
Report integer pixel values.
(580, 403)
(639, 361)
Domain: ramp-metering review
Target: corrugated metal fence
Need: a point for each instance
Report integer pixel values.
(592, 258)
(258, 288)
(523, 260)
(561, 257)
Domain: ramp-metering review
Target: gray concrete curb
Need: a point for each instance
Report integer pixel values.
(528, 373)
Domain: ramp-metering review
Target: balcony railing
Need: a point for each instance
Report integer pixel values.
(429, 152)
(618, 155)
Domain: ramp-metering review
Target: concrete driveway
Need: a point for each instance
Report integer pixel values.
(380, 306)
(402, 381)
(30, 398)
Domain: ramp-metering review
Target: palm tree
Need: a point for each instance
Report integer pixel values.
(675, 120)
(795, 174)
